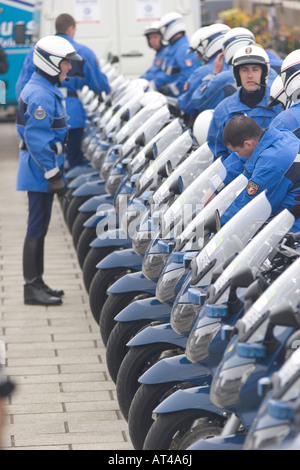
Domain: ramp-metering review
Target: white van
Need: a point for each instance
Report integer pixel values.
(116, 26)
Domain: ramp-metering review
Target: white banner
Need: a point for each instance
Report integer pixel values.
(148, 10)
(87, 11)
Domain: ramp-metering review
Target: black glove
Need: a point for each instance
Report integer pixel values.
(57, 185)
(165, 90)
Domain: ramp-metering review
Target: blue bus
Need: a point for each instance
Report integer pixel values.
(17, 29)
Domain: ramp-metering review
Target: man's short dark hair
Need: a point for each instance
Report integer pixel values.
(63, 23)
(239, 129)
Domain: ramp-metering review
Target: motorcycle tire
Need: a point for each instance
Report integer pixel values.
(72, 211)
(102, 280)
(89, 269)
(66, 202)
(78, 226)
(145, 400)
(135, 363)
(116, 348)
(112, 306)
(173, 431)
(83, 246)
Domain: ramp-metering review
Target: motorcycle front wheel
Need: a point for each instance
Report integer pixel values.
(179, 430)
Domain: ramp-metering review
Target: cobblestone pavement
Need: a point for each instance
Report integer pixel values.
(65, 398)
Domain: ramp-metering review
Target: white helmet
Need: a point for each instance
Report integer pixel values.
(277, 94)
(251, 55)
(170, 25)
(196, 38)
(201, 126)
(50, 51)
(211, 41)
(290, 75)
(153, 28)
(234, 40)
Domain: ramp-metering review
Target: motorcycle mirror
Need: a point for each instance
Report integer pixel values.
(151, 153)
(283, 315)
(177, 186)
(163, 172)
(211, 223)
(141, 140)
(243, 278)
(169, 168)
(125, 116)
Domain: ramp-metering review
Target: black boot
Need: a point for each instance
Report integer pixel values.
(34, 292)
(40, 269)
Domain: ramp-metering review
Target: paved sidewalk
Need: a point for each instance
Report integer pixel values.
(65, 398)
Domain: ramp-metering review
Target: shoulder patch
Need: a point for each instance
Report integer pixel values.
(252, 188)
(158, 62)
(188, 62)
(40, 113)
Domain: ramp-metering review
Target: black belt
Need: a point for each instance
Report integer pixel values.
(72, 94)
(23, 146)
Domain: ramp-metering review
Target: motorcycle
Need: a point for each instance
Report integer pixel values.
(229, 405)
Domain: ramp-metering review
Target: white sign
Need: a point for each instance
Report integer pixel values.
(148, 10)
(87, 11)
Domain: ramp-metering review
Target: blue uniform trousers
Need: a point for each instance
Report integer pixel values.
(39, 208)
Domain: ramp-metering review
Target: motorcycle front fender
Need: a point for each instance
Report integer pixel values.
(106, 218)
(90, 188)
(117, 259)
(150, 308)
(158, 334)
(195, 398)
(82, 179)
(79, 170)
(134, 282)
(176, 369)
(233, 442)
(92, 204)
(110, 238)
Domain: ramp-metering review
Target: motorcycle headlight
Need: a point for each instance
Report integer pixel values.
(141, 241)
(197, 348)
(153, 265)
(167, 283)
(226, 386)
(182, 318)
(113, 183)
(267, 438)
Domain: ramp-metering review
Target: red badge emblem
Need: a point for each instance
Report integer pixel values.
(252, 188)
(188, 62)
(158, 62)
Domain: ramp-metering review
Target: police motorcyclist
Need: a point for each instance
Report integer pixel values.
(42, 126)
(177, 65)
(251, 67)
(86, 73)
(270, 161)
(154, 39)
(222, 84)
(206, 43)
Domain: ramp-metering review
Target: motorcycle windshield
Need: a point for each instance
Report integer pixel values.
(174, 153)
(148, 129)
(194, 198)
(128, 95)
(231, 239)
(285, 290)
(192, 238)
(131, 107)
(131, 128)
(253, 255)
(194, 165)
(161, 141)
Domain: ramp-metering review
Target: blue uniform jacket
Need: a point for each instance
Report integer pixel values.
(232, 106)
(150, 74)
(194, 81)
(41, 124)
(274, 166)
(177, 67)
(288, 119)
(83, 73)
